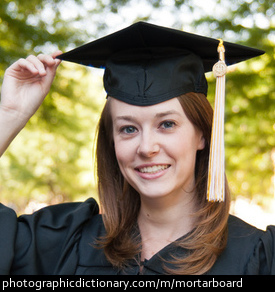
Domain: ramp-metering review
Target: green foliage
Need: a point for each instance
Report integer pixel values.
(51, 160)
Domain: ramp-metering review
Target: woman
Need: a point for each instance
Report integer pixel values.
(152, 154)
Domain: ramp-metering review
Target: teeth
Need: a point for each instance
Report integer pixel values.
(153, 169)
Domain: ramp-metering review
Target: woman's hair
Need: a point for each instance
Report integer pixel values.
(120, 202)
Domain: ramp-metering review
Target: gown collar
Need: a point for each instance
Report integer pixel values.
(94, 259)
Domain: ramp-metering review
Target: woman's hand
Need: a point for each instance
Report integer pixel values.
(26, 84)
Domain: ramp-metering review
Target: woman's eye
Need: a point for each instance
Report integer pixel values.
(128, 130)
(168, 124)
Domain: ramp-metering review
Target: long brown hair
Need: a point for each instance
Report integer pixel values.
(120, 202)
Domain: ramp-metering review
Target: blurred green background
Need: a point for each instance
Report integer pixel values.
(52, 161)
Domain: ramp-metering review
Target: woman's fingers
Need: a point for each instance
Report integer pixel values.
(41, 62)
(50, 60)
(57, 53)
(46, 60)
(37, 63)
(25, 65)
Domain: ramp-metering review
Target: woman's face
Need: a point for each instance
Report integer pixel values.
(155, 147)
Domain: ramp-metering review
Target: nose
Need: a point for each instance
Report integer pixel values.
(149, 145)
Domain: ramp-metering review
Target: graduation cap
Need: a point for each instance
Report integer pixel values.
(146, 64)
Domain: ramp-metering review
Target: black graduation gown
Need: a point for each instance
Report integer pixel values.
(59, 240)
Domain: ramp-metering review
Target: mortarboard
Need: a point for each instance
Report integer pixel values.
(146, 64)
(165, 62)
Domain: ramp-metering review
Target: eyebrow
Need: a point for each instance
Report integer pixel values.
(167, 113)
(130, 118)
(125, 118)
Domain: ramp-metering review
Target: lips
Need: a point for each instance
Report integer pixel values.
(152, 169)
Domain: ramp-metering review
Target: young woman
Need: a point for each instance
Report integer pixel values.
(152, 156)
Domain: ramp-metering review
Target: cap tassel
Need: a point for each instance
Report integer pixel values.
(216, 173)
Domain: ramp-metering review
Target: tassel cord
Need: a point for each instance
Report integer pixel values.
(215, 189)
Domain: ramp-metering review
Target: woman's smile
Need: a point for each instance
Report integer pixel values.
(152, 171)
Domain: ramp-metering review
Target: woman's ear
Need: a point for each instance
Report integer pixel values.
(201, 142)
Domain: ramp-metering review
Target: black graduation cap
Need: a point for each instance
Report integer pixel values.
(147, 64)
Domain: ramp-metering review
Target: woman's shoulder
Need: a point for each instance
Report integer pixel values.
(58, 214)
(249, 250)
(38, 242)
(248, 235)
(61, 216)
(237, 228)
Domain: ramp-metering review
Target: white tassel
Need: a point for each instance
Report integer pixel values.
(216, 172)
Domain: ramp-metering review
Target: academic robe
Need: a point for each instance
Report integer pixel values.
(59, 240)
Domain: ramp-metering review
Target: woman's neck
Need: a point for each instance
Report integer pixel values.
(164, 220)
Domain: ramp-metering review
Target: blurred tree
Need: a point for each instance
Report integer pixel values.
(51, 160)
